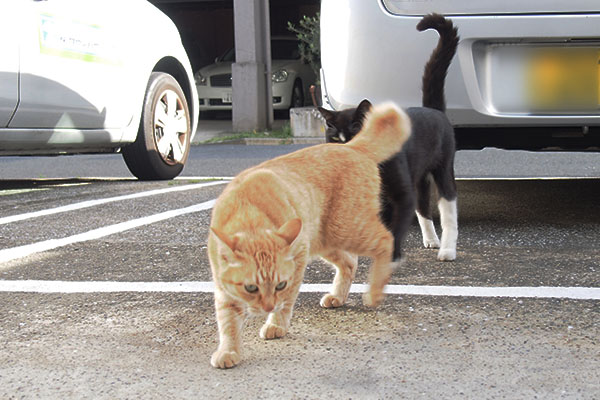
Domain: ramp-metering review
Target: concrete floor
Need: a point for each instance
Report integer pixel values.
(221, 126)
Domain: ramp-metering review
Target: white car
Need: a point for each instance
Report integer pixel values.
(291, 78)
(525, 74)
(96, 76)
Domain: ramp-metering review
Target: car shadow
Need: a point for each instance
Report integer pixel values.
(42, 183)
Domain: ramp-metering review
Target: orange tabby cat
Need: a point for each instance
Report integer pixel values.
(271, 219)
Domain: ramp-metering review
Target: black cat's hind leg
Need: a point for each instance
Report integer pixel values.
(399, 201)
(430, 237)
(403, 204)
(446, 185)
(404, 217)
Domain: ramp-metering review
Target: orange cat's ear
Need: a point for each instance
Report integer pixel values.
(290, 230)
(226, 240)
(227, 245)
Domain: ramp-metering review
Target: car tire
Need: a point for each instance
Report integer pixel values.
(163, 140)
(297, 99)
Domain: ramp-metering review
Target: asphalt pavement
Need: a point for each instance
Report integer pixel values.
(105, 290)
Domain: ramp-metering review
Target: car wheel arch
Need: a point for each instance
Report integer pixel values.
(173, 67)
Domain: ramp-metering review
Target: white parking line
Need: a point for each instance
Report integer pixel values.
(34, 286)
(92, 203)
(203, 178)
(29, 249)
(221, 180)
(541, 292)
(528, 178)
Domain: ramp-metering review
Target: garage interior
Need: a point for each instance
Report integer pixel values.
(207, 26)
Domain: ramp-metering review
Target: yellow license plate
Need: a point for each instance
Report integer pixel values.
(564, 79)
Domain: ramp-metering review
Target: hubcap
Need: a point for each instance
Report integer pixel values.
(170, 127)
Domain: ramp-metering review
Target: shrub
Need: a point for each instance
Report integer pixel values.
(308, 33)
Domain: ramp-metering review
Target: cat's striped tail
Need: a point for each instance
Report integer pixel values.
(385, 130)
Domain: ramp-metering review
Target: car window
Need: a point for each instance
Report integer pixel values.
(229, 56)
(284, 50)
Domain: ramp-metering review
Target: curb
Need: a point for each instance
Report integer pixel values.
(267, 141)
(293, 140)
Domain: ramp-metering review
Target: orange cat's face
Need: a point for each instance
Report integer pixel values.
(258, 269)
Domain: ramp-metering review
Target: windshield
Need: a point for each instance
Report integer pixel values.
(284, 50)
(280, 50)
(229, 55)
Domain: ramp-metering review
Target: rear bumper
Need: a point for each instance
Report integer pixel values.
(369, 53)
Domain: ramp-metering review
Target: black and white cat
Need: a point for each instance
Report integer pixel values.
(427, 156)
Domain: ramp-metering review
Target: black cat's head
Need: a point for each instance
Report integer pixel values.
(343, 125)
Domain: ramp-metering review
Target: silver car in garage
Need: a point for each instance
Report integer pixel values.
(525, 76)
(291, 78)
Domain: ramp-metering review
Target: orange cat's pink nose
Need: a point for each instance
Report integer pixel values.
(268, 306)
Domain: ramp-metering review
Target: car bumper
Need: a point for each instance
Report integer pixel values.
(220, 98)
(486, 85)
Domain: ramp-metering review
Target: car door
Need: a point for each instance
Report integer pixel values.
(9, 65)
(72, 72)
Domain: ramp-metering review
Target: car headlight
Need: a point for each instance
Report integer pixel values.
(280, 75)
(200, 80)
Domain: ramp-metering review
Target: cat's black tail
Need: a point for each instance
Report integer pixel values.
(439, 61)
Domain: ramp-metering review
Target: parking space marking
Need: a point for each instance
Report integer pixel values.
(540, 292)
(220, 181)
(11, 192)
(33, 286)
(528, 178)
(15, 253)
(203, 178)
(93, 203)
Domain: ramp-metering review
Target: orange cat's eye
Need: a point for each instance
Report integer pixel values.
(281, 285)
(251, 288)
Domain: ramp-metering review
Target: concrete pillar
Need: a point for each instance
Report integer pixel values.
(251, 73)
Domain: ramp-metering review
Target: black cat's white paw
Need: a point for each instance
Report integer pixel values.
(431, 243)
(447, 255)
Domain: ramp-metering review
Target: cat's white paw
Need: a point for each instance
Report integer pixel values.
(272, 331)
(431, 243)
(372, 298)
(331, 301)
(225, 359)
(447, 255)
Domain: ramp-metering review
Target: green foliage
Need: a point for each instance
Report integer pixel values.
(309, 34)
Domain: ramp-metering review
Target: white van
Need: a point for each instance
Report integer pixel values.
(525, 76)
